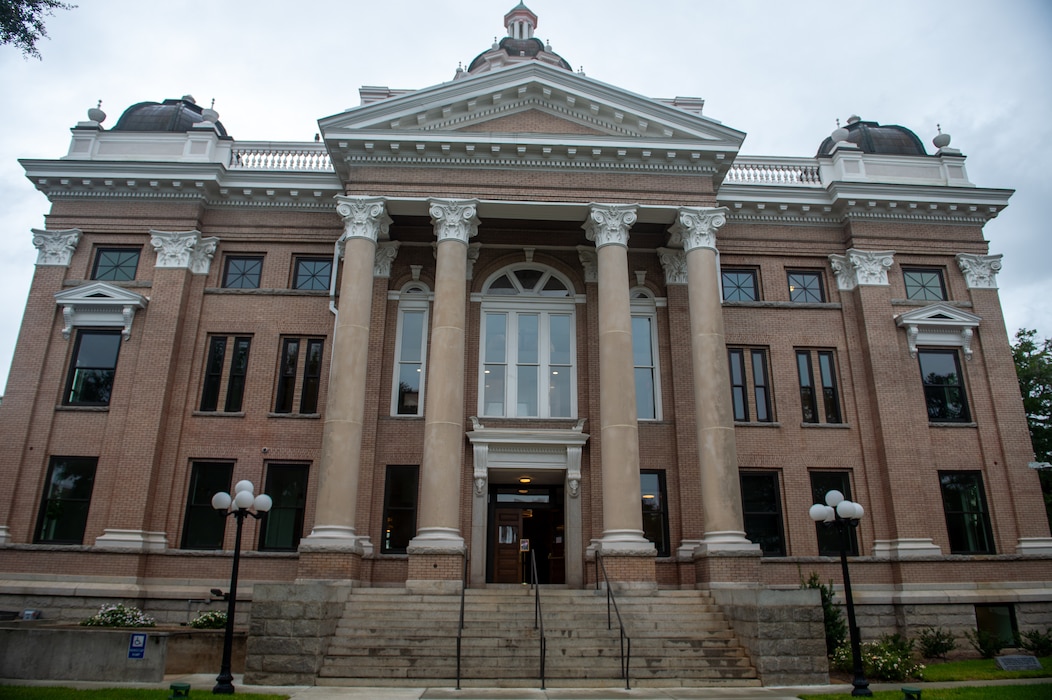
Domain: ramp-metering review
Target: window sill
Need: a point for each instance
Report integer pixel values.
(840, 426)
(220, 414)
(307, 416)
(757, 424)
(83, 409)
(784, 304)
(406, 416)
(264, 291)
(937, 424)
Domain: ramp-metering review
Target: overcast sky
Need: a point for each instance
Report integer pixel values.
(781, 71)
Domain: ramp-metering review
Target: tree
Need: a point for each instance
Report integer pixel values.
(22, 22)
(1033, 365)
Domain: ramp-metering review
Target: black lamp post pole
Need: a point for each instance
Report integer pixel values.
(861, 685)
(224, 681)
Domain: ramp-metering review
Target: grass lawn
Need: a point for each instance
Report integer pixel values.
(981, 670)
(18, 692)
(990, 692)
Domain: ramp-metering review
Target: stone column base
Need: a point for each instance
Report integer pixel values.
(435, 573)
(329, 565)
(740, 568)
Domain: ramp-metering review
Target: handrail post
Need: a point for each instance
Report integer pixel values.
(460, 627)
(626, 658)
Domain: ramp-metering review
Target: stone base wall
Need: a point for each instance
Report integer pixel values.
(741, 568)
(290, 631)
(783, 632)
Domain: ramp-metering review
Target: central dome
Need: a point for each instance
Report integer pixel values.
(517, 47)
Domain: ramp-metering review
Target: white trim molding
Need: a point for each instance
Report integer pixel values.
(55, 248)
(862, 268)
(939, 325)
(980, 271)
(99, 305)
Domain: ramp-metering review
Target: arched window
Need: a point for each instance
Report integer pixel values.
(644, 354)
(527, 354)
(407, 391)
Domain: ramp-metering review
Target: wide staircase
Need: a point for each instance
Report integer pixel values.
(393, 637)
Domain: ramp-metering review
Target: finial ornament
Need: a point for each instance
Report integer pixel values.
(96, 114)
(941, 140)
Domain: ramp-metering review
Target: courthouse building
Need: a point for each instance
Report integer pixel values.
(522, 310)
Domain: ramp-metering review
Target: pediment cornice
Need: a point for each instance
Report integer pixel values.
(99, 304)
(939, 325)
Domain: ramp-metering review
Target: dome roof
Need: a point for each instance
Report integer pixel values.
(518, 46)
(871, 137)
(170, 115)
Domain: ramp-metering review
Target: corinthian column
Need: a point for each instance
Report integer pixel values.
(608, 226)
(435, 552)
(717, 453)
(365, 220)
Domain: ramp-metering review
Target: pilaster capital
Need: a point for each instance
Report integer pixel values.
(696, 227)
(363, 217)
(674, 263)
(608, 224)
(454, 219)
(386, 252)
(173, 247)
(590, 262)
(980, 271)
(862, 268)
(55, 248)
(473, 257)
(202, 254)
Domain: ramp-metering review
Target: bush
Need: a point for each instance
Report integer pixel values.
(211, 620)
(1037, 642)
(988, 644)
(835, 626)
(935, 643)
(119, 616)
(888, 659)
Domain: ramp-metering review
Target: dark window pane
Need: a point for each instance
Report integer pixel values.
(282, 527)
(655, 512)
(528, 279)
(739, 285)
(287, 375)
(998, 620)
(805, 287)
(213, 373)
(204, 526)
(924, 285)
(242, 273)
(740, 405)
(829, 538)
(967, 520)
(808, 403)
(94, 363)
(760, 387)
(400, 498)
(830, 400)
(943, 386)
(313, 273)
(762, 510)
(115, 264)
(238, 370)
(66, 500)
(311, 377)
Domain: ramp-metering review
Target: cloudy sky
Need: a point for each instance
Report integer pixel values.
(781, 71)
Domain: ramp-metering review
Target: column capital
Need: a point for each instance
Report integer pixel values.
(55, 248)
(454, 219)
(862, 268)
(674, 263)
(608, 224)
(386, 252)
(183, 249)
(980, 271)
(363, 217)
(696, 227)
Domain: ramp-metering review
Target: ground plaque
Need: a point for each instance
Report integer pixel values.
(1018, 662)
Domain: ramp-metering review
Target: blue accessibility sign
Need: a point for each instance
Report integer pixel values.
(137, 645)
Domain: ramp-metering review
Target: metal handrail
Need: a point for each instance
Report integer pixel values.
(538, 618)
(611, 599)
(460, 627)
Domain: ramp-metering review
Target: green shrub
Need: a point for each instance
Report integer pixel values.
(211, 620)
(888, 659)
(988, 644)
(119, 615)
(835, 626)
(1037, 642)
(935, 643)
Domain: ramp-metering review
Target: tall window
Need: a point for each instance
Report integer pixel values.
(299, 356)
(203, 525)
(822, 393)
(829, 538)
(967, 519)
(312, 273)
(805, 286)
(739, 285)
(91, 371)
(644, 356)
(400, 499)
(748, 368)
(924, 284)
(943, 386)
(67, 497)
(762, 509)
(527, 368)
(230, 360)
(282, 527)
(242, 272)
(655, 509)
(407, 396)
(115, 264)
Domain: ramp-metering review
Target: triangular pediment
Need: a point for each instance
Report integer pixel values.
(939, 325)
(938, 315)
(99, 305)
(528, 114)
(100, 293)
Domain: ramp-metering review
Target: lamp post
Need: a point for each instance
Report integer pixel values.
(842, 514)
(242, 504)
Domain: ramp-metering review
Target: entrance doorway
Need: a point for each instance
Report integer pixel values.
(524, 520)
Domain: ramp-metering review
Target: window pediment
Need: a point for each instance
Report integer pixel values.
(939, 324)
(99, 304)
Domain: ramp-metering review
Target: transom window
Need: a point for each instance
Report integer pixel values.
(924, 284)
(805, 286)
(527, 367)
(115, 264)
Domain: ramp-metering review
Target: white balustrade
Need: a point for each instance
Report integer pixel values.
(280, 157)
(756, 172)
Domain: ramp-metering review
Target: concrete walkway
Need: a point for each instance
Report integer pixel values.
(201, 685)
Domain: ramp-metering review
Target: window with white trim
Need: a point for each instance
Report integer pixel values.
(407, 391)
(644, 355)
(527, 354)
